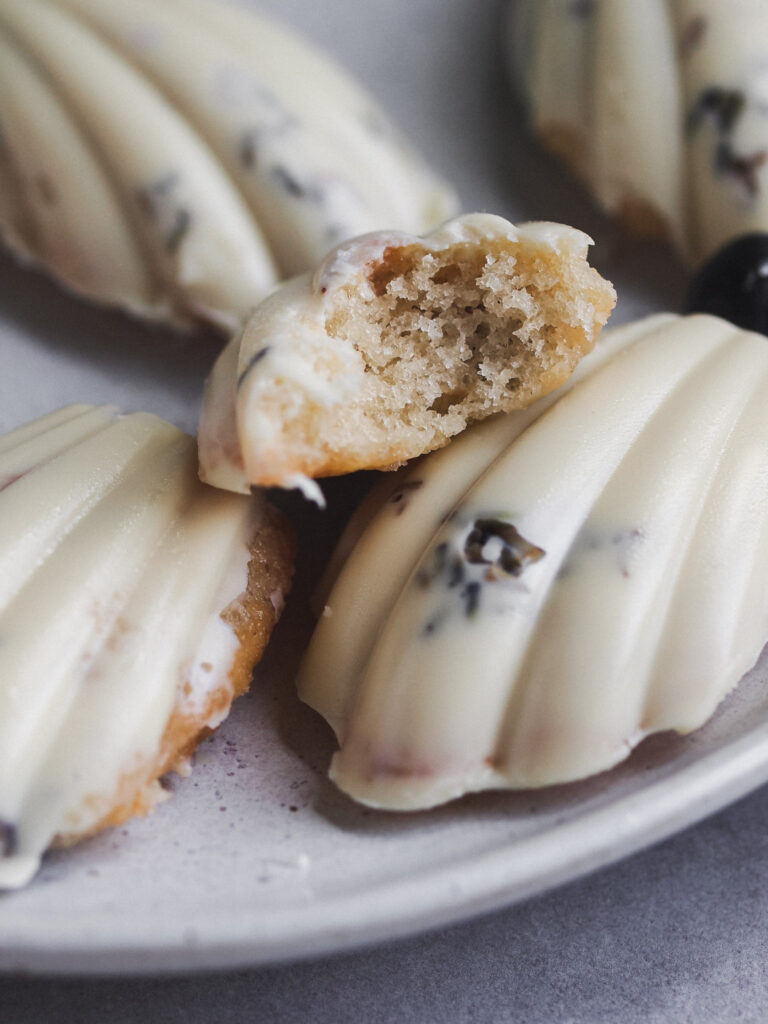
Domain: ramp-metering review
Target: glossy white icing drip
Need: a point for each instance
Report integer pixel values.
(308, 487)
(219, 644)
(637, 496)
(115, 563)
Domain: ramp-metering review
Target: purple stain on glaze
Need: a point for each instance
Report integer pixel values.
(692, 35)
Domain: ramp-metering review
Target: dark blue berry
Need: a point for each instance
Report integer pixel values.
(733, 284)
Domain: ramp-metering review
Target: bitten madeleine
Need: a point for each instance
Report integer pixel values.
(134, 602)
(394, 345)
(534, 599)
(179, 158)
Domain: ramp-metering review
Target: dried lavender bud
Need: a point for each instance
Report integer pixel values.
(149, 196)
(158, 205)
(515, 553)
(722, 106)
(252, 139)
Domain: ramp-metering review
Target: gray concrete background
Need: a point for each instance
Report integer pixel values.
(677, 933)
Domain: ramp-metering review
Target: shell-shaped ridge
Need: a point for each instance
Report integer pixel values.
(115, 566)
(178, 159)
(658, 106)
(560, 584)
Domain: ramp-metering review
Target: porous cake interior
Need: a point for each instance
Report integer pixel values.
(440, 339)
(454, 336)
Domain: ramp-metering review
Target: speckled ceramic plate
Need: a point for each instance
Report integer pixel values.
(258, 858)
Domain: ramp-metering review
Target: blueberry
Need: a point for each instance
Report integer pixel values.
(733, 284)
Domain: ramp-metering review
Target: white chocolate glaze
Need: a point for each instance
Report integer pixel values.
(557, 584)
(659, 105)
(287, 330)
(179, 158)
(115, 564)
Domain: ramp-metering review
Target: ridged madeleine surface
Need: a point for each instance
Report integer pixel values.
(179, 158)
(134, 602)
(659, 106)
(557, 584)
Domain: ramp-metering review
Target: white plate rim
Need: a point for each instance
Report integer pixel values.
(403, 907)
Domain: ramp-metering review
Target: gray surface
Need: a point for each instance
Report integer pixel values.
(674, 934)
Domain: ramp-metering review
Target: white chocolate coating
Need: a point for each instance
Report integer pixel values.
(458, 654)
(180, 158)
(285, 333)
(115, 564)
(660, 106)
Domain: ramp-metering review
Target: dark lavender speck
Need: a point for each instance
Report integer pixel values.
(693, 34)
(181, 226)
(157, 202)
(248, 148)
(426, 575)
(456, 574)
(294, 187)
(722, 106)
(256, 358)
(471, 595)
(9, 839)
(401, 496)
